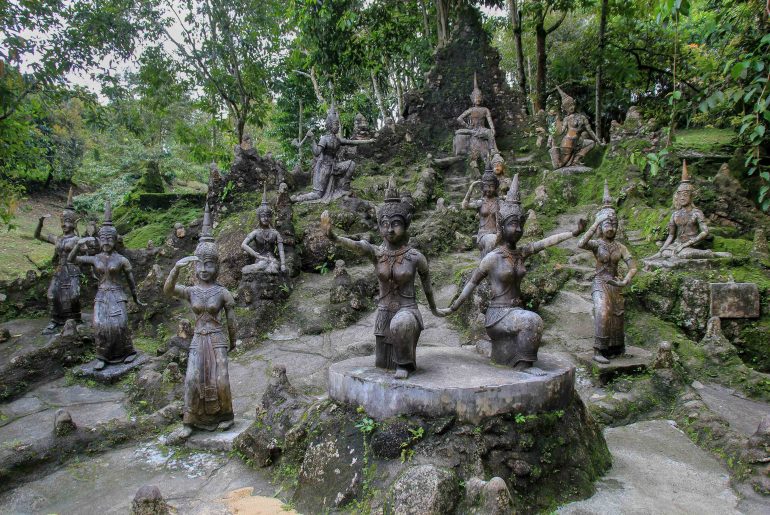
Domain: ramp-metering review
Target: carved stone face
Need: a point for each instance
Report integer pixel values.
(609, 227)
(107, 242)
(67, 226)
(512, 230)
(569, 107)
(488, 189)
(682, 199)
(333, 126)
(208, 270)
(393, 229)
(499, 168)
(264, 219)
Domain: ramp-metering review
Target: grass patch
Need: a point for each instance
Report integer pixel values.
(703, 140)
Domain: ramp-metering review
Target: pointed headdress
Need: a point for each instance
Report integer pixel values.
(608, 204)
(511, 206)
(264, 207)
(69, 214)
(107, 229)
(395, 204)
(566, 100)
(332, 115)
(489, 176)
(685, 184)
(476, 93)
(207, 246)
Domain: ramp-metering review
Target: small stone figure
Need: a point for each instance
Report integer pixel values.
(607, 293)
(110, 320)
(64, 290)
(687, 227)
(486, 237)
(208, 402)
(575, 144)
(361, 128)
(261, 243)
(397, 264)
(515, 332)
(474, 139)
(498, 166)
(331, 178)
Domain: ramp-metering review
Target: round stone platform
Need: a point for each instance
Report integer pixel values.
(452, 381)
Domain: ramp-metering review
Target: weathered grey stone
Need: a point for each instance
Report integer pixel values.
(487, 497)
(635, 361)
(425, 490)
(569, 170)
(675, 263)
(63, 424)
(5, 334)
(149, 501)
(111, 373)
(666, 357)
(452, 381)
(734, 300)
(217, 440)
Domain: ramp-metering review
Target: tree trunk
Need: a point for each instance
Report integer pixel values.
(540, 79)
(442, 22)
(239, 127)
(425, 24)
(600, 70)
(521, 78)
(378, 96)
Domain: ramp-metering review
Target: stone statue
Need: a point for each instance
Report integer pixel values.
(397, 264)
(331, 177)
(64, 290)
(687, 227)
(498, 166)
(361, 128)
(575, 143)
(487, 207)
(110, 319)
(262, 243)
(474, 139)
(607, 290)
(208, 402)
(515, 332)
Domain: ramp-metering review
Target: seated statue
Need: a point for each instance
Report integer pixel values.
(687, 228)
(262, 242)
(474, 139)
(515, 332)
(331, 177)
(575, 143)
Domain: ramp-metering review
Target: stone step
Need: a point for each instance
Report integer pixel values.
(217, 440)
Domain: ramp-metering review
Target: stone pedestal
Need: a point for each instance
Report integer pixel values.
(675, 263)
(569, 170)
(635, 361)
(452, 382)
(111, 373)
(256, 286)
(734, 300)
(217, 440)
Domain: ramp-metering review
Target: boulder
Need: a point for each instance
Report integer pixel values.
(425, 490)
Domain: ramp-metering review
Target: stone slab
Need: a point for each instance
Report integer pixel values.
(569, 170)
(452, 382)
(734, 300)
(635, 361)
(650, 265)
(111, 373)
(217, 440)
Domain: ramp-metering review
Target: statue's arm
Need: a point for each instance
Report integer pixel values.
(424, 271)
(230, 317)
(245, 245)
(73, 257)
(281, 255)
(466, 204)
(346, 141)
(48, 238)
(671, 235)
(317, 148)
(702, 227)
(489, 121)
(589, 130)
(128, 271)
(359, 247)
(171, 288)
(477, 276)
(554, 239)
(462, 117)
(630, 263)
(585, 241)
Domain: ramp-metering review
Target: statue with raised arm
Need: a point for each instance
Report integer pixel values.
(474, 138)
(487, 207)
(264, 243)
(577, 137)
(64, 290)
(607, 289)
(397, 265)
(331, 177)
(515, 332)
(208, 401)
(110, 319)
(687, 228)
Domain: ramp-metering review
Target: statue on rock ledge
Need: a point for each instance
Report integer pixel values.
(607, 293)
(687, 227)
(397, 265)
(575, 144)
(487, 207)
(64, 290)
(331, 177)
(262, 243)
(515, 332)
(208, 402)
(474, 139)
(110, 319)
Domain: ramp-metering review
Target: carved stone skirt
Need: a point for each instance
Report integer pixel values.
(396, 336)
(111, 331)
(207, 397)
(515, 334)
(64, 293)
(609, 309)
(266, 263)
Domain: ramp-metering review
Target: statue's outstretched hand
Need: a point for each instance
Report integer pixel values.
(186, 261)
(326, 223)
(581, 226)
(442, 312)
(615, 282)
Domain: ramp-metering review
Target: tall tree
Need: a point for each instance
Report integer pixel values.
(515, 15)
(600, 69)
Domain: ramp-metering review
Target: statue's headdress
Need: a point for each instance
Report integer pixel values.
(395, 204)
(511, 206)
(685, 184)
(69, 214)
(497, 159)
(332, 116)
(264, 207)
(107, 229)
(608, 205)
(207, 246)
(566, 100)
(476, 93)
(489, 176)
